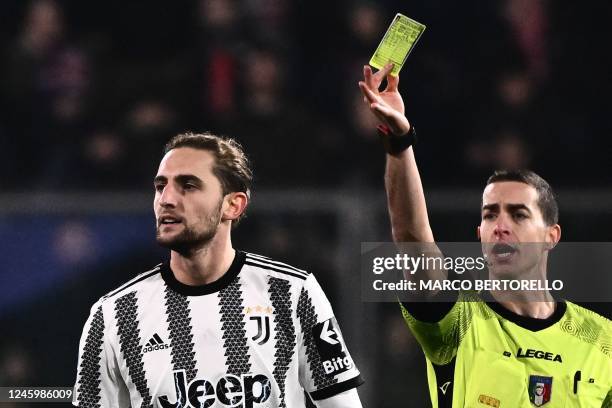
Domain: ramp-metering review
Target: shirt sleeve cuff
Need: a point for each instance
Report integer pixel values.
(337, 388)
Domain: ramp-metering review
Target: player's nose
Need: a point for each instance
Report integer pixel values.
(169, 196)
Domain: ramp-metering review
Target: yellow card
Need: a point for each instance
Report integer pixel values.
(399, 40)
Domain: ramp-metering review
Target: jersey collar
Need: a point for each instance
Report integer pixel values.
(526, 322)
(188, 290)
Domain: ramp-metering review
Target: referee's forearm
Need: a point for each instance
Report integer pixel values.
(406, 200)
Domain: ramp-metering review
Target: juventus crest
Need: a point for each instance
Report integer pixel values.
(260, 316)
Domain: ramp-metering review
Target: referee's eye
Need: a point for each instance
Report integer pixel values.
(520, 216)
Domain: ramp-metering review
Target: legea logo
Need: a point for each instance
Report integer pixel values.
(230, 391)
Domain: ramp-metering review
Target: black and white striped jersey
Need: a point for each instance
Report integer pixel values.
(257, 337)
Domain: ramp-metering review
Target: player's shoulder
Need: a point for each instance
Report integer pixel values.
(134, 284)
(265, 265)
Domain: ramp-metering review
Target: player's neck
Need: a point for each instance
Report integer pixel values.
(538, 305)
(204, 265)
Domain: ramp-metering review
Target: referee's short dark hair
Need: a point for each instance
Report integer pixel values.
(232, 167)
(547, 201)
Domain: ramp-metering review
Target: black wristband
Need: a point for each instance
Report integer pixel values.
(394, 144)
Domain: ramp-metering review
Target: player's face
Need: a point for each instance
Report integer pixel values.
(188, 200)
(512, 229)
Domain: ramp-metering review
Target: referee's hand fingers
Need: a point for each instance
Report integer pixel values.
(367, 93)
(380, 75)
(368, 77)
(392, 83)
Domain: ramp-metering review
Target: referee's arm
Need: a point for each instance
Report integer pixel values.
(405, 198)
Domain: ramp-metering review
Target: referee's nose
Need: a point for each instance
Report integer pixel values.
(502, 227)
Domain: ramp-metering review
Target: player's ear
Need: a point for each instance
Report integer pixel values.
(234, 205)
(478, 232)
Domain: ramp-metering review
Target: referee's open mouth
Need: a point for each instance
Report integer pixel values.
(503, 252)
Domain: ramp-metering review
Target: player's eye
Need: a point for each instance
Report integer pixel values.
(189, 186)
(158, 187)
(488, 216)
(520, 216)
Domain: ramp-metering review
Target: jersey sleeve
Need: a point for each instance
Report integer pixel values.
(325, 365)
(608, 401)
(346, 399)
(99, 382)
(437, 331)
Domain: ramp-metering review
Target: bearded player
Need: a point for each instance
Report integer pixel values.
(214, 327)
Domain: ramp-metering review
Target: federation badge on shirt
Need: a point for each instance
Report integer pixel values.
(540, 389)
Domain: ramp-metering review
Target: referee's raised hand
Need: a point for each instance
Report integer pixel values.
(387, 105)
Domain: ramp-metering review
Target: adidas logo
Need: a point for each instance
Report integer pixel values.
(155, 343)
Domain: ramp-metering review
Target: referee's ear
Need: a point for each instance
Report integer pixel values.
(234, 204)
(553, 235)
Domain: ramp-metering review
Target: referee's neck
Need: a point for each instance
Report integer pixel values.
(538, 305)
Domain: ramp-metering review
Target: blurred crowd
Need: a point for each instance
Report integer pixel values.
(91, 91)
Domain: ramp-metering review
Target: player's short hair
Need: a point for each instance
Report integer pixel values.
(232, 166)
(547, 202)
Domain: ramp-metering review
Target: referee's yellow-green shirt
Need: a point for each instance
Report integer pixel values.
(480, 354)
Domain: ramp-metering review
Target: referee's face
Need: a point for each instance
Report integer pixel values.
(188, 199)
(512, 228)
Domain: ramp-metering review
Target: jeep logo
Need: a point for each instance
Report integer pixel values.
(230, 391)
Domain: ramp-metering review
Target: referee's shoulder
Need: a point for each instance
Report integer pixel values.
(274, 268)
(588, 315)
(588, 326)
(133, 284)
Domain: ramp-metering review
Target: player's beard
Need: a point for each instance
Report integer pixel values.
(192, 238)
